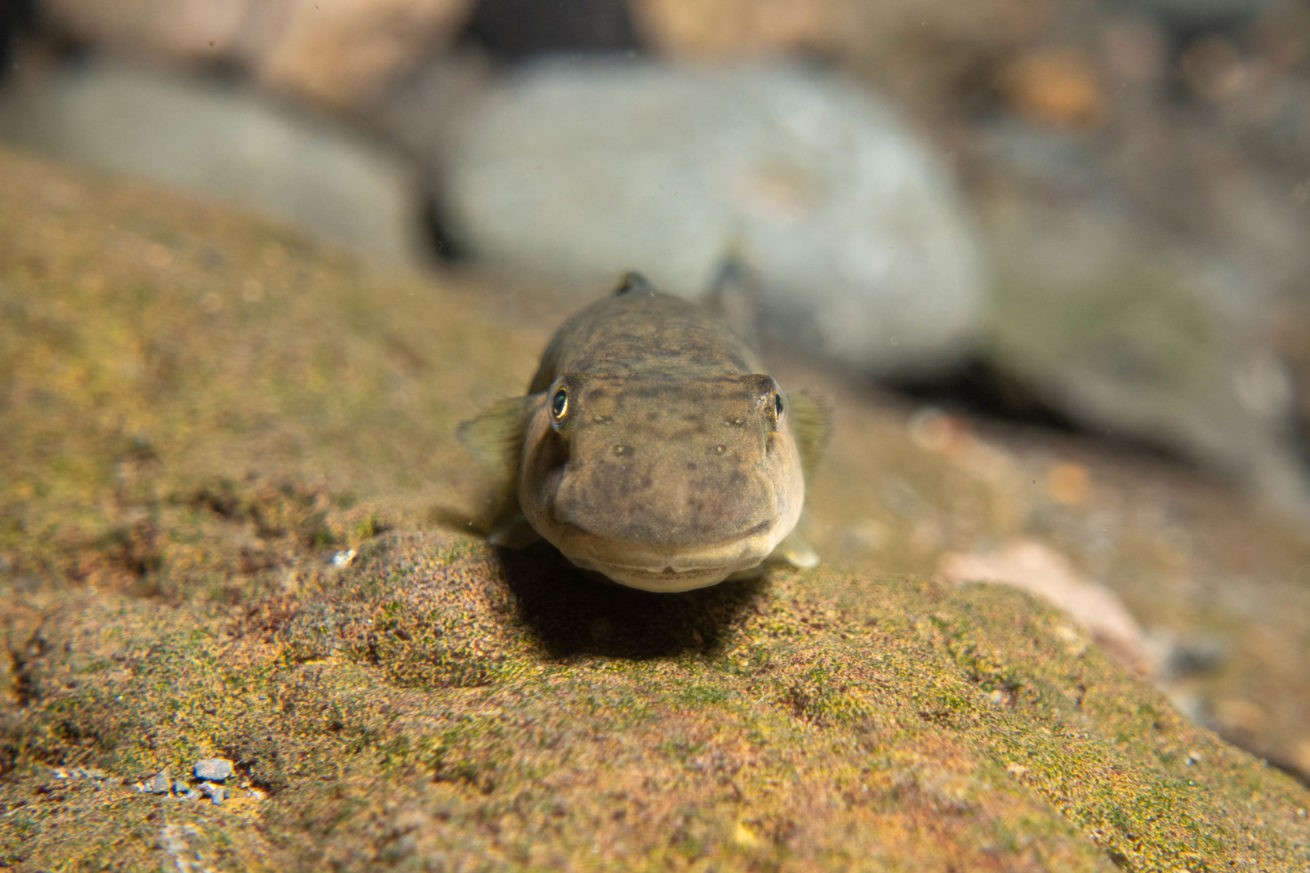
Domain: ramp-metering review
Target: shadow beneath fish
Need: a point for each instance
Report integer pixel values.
(572, 612)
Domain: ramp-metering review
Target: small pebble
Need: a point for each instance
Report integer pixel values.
(157, 784)
(213, 770)
(214, 792)
(181, 789)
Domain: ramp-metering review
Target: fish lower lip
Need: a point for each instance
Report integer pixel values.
(665, 568)
(668, 580)
(668, 572)
(647, 555)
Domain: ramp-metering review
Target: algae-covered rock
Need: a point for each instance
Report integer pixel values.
(224, 533)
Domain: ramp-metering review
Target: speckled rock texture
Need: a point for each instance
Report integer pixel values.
(228, 529)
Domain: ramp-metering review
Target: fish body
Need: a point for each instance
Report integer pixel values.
(652, 448)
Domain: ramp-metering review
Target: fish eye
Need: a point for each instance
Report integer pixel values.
(559, 403)
(777, 404)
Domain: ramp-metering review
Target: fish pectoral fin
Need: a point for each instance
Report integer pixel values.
(811, 422)
(512, 531)
(796, 551)
(495, 438)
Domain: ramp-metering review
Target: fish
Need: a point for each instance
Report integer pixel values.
(652, 448)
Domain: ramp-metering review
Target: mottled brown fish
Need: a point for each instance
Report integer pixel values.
(652, 448)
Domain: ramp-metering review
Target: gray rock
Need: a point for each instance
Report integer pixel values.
(222, 142)
(182, 790)
(585, 168)
(1134, 337)
(1200, 13)
(213, 770)
(216, 793)
(157, 784)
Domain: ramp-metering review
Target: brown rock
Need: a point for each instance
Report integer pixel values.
(1041, 571)
(337, 52)
(1056, 86)
(187, 30)
(334, 52)
(715, 28)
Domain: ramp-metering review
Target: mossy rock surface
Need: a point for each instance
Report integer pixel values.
(224, 532)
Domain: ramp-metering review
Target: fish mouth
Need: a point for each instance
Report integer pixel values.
(666, 581)
(668, 569)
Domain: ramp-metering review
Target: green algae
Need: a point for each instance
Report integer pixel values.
(195, 459)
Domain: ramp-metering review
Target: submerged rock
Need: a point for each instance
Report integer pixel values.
(198, 407)
(338, 54)
(213, 770)
(216, 793)
(223, 142)
(587, 168)
(157, 784)
(1139, 341)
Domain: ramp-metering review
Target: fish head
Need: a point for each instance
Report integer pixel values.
(663, 483)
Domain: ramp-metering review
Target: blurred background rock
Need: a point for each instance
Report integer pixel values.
(1096, 212)
(1091, 215)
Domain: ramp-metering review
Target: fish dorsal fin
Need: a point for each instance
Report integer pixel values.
(795, 550)
(811, 422)
(736, 299)
(633, 282)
